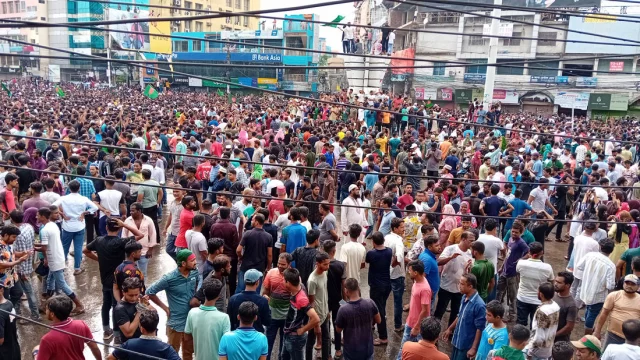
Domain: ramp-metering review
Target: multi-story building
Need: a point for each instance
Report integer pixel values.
(544, 87)
(301, 36)
(196, 7)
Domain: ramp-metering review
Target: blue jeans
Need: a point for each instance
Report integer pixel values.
(171, 246)
(276, 326)
(407, 337)
(240, 287)
(592, 313)
(294, 346)
(78, 241)
(102, 225)
(24, 287)
(143, 263)
(56, 281)
(397, 287)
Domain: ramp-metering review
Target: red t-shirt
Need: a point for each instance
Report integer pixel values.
(202, 173)
(275, 206)
(186, 223)
(404, 200)
(9, 203)
(56, 345)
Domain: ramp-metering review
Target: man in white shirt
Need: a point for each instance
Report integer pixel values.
(533, 273)
(598, 278)
(630, 350)
(582, 245)
(353, 253)
(354, 213)
(392, 38)
(394, 241)
(539, 197)
(456, 260)
(492, 247)
(146, 226)
(348, 37)
(73, 208)
(111, 203)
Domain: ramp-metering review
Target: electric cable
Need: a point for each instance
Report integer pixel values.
(52, 328)
(246, 161)
(266, 197)
(225, 65)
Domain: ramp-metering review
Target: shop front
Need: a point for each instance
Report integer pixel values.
(442, 97)
(606, 106)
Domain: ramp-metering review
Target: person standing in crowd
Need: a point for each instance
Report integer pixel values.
(631, 347)
(254, 251)
(566, 302)
(352, 212)
(172, 225)
(354, 321)
(336, 276)
(508, 280)
(146, 226)
(467, 327)
(495, 334)
(275, 291)
(189, 204)
(109, 251)
(197, 243)
(533, 273)
(394, 241)
(150, 197)
(205, 325)
(456, 260)
(619, 306)
(228, 232)
(126, 314)
(23, 245)
(180, 286)
(420, 305)
(251, 280)
(353, 253)
(518, 339)
(380, 259)
(52, 249)
(111, 203)
(148, 343)
(483, 270)
(305, 257)
(301, 317)
(74, 209)
(245, 342)
(544, 324)
(598, 278)
(319, 298)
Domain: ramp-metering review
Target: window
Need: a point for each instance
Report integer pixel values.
(247, 5)
(502, 70)
(246, 21)
(198, 26)
(4, 8)
(238, 4)
(187, 25)
(198, 9)
(228, 3)
(41, 1)
(11, 7)
(22, 5)
(439, 68)
(181, 46)
(481, 68)
(228, 19)
(187, 5)
(477, 40)
(512, 42)
(552, 65)
(236, 20)
(547, 38)
(197, 45)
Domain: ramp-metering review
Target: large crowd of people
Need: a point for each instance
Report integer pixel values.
(274, 208)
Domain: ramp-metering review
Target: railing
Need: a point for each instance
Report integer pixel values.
(296, 25)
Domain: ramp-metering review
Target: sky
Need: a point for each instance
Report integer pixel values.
(326, 13)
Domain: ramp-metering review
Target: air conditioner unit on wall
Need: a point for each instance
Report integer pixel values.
(177, 2)
(208, 24)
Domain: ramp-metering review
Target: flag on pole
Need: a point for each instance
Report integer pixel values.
(335, 22)
(5, 88)
(220, 92)
(150, 92)
(59, 91)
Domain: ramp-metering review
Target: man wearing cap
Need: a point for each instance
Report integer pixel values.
(619, 306)
(587, 348)
(251, 281)
(180, 286)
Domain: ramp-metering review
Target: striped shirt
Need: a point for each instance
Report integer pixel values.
(598, 277)
(24, 242)
(278, 294)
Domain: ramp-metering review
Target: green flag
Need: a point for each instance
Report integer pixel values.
(150, 92)
(5, 88)
(335, 22)
(59, 91)
(220, 92)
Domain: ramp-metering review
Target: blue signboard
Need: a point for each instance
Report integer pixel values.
(280, 74)
(248, 81)
(590, 82)
(561, 80)
(475, 78)
(222, 56)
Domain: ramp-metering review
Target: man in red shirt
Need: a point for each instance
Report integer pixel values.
(7, 200)
(203, 171)
(57, 345)
(405, 199)
(186, 221)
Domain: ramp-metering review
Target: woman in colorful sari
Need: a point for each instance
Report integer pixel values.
(465, 210)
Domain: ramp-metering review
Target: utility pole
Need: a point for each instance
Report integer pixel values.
(228, 73)
(108, 39)
(493, 55)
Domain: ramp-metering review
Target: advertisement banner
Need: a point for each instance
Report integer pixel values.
(419, 93)
(619, 102)
(430, 94)
(616, 65)
(599, 101)
(583, 29)
(445, 94)
(131, 41)
(561, 80)
(506, 29)
(267, 81)
(195, 82)
(536, 4)
(54, 73)
(408, 56)
(576, 100)
(463, 96)
(160, 44)
(589, 82)
(248, 81)
(251, 34)
(506, 96)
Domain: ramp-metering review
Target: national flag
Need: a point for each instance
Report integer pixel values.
(335, 22)
(150, 92)
(59, 91)
(220, 92)
(5, 88)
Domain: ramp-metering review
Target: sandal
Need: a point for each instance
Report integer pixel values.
(378, 342)
(77, 311)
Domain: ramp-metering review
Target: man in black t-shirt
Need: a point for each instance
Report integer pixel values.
(255, 251)
(336, 277)
(127, 313)
(10, 348)
(109, 252)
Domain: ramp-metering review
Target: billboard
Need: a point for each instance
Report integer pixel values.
(535, 4)
(128, 41)
(405, 58)
(572, 100)
(615, 102)
(54, 73)
(251, 34)
(612, 27)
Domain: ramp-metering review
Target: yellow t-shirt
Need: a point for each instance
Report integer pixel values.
(383, 143)
(455, 235)
(626, 307)
(386, 118)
